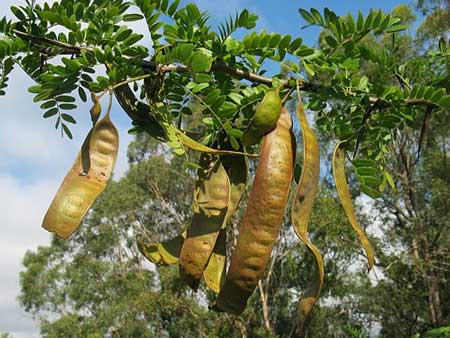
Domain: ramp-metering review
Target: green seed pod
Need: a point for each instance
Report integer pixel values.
(262, 219)
(265, 119)
(85, 181)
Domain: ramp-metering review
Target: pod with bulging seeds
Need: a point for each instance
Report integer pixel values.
(211, 200)
(168, 252)
(262, 219)
(301, 211)
(346, 200)
(86, 179)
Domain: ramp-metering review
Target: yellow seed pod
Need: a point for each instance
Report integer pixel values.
(214, 274)
(168, 252)
(301, 211)
(265, 119)
(346, 200)
(85, 181)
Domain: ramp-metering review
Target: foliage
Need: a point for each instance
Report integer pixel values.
(199, 63)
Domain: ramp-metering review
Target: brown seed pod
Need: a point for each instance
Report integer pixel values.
(212, 197)
(262, 219)
(302, 208)
(86, 179)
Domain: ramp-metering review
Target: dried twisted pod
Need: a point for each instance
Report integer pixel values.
(301, 210)
(168, 252)
(346, 200)
(265, 119)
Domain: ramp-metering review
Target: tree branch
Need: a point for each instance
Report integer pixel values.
(218, 66)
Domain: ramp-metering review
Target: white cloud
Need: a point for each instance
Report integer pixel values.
(23, 208)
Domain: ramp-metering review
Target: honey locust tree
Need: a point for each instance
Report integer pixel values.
(71, 48)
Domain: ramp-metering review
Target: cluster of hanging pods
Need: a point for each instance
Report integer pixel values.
(200, 250)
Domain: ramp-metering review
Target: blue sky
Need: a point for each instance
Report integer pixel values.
(34, 159)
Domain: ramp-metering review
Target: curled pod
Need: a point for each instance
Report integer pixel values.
(265, 119)
(301, 211)
(167, 252)
(139, 112)
(85, 181)
(262, 219)
(211, 200)
(346, 200)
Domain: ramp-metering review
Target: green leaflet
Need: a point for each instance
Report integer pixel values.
(302, 208)
(346, 201)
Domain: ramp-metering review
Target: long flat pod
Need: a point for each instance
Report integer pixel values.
(346, 200)
(236, 167)
(212, 198)
(262, 219)
(302, 208)
(85, 181)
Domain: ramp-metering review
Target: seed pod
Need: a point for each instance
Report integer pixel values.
(139, 112)
(211, 200)
(302, 208)
(262, 219)
(214, 274)
(346, 200)
(265, 119)
(85, 181)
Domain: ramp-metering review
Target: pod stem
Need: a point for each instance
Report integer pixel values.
(108, 111)
(286, 97)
